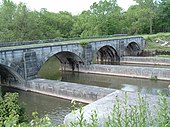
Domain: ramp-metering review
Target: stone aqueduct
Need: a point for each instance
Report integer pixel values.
(19, 64)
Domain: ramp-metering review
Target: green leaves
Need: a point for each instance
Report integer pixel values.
(19, 23)
(10, 111)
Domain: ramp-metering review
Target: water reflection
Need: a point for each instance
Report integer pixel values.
(114, 82)
(56, 108)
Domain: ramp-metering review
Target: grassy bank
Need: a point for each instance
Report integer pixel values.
(152, 44)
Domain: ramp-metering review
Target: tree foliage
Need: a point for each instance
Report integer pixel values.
(10, 111)
(19, 23)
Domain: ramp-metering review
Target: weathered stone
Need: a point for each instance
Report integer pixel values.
(128, 71)
(26, 60)
(104, 107)
(72, 91)
(146, 60)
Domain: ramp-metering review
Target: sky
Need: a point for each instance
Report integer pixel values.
(73, 6)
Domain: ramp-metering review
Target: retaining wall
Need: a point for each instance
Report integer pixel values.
(146, 60)
(128, 71)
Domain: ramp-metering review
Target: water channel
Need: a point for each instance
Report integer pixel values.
(58, 108)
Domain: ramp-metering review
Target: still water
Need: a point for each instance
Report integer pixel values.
(56, 108)
(145, 86)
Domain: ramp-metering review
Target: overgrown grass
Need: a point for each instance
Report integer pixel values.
(151, 41)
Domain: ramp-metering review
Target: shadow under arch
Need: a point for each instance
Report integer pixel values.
(107, 55)
(69, 58)
(59, 61)
(9, 76)
(132, 49)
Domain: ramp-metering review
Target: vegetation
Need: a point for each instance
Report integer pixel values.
(153, 44)
(10, 111)
(19, 23)
(123, 115)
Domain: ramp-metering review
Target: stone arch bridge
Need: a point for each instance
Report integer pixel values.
(22, 63)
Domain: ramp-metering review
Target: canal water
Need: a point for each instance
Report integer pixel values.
(145, 86)
(58, 108)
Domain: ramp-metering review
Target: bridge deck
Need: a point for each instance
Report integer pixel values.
(49, 44)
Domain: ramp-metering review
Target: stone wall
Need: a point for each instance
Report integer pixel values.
(66, 90)
(146, 60)
(128, 71)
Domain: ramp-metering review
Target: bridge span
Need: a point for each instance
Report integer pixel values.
(21, 63)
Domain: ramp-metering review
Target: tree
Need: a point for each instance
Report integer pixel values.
(147, 10)
(7, 11)
(163, 18)
(108, 15)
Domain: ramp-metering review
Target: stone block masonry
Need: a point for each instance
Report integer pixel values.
(146, 60)
(66, 90)
(128, 71)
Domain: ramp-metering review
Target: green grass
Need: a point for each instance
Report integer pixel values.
(151, 41)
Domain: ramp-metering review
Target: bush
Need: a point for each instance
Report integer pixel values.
(10, 111)
(139, 115)
(124, 115)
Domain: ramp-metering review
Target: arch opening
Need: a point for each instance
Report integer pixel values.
(55, 65)
(132, 49)
(69, 59)
(107, 55)
(9, 77)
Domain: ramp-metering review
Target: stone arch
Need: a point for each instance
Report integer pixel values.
(9, 75)
(67, 59)
(107, 55)
(132, 49)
